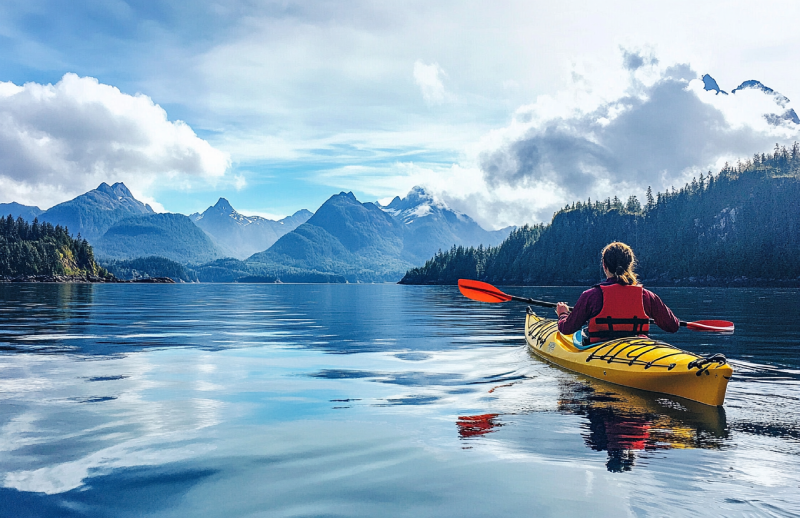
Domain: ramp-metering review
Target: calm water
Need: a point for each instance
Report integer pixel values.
(374, 400)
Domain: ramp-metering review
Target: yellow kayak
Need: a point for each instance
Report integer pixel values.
(636, 362)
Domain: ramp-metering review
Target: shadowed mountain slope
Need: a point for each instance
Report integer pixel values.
(173, 236)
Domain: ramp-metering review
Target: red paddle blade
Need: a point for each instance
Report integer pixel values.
(719, 326)
(481, 291)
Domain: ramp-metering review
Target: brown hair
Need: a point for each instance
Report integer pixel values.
(618, 259)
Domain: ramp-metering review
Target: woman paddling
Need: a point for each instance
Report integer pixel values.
(617, 307)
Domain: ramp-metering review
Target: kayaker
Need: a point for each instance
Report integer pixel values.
(617, 307)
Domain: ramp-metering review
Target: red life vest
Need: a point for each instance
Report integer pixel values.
(622, 314)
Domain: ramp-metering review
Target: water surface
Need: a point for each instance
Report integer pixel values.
(364, 400)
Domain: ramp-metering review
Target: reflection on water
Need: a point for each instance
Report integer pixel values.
(475, 425)
(624, 421)
(292, 400)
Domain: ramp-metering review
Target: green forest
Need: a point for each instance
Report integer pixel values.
(149, 267)
(42, 249)
(740, 226)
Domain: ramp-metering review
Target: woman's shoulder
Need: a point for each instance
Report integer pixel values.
(592, 292)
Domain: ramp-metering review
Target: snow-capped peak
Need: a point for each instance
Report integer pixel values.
(417, 204)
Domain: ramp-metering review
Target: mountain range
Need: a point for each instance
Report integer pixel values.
(345, 240)
(241, 236)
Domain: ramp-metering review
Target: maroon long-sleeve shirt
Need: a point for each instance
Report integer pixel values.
(590, 303)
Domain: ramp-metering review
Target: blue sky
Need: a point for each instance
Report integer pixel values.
(506, 110)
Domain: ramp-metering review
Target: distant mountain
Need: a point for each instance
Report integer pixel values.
(91, 214)
(241, 236)
(710, 85)
(367, 242)
(787, 113)
(781, 100)
(431, 226)
(172, 236)
(345, 237)
(18, 210)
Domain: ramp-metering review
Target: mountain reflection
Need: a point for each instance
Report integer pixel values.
(627, 422)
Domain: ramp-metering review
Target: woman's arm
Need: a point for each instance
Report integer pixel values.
(659, 312)
(589, 304)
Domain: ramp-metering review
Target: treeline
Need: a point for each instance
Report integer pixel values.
(740, 226)
(150, 267)
(42, 249)
(234, 270)
(221, 270)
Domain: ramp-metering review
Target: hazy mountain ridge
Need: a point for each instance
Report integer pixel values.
(241, 236)
(432, 225)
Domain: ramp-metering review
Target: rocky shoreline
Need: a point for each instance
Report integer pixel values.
(83, 279)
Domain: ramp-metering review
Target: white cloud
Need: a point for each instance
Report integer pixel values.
(58, 141)
(608, 133)
(239, 182)
(660, 130)
(429, 80)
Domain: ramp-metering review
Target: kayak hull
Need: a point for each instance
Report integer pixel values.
(637, 362)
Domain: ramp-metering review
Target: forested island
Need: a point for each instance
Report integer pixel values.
(41, 251)
(739, 227)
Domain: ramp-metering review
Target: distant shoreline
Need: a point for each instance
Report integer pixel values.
(80, 279)
(690, 282)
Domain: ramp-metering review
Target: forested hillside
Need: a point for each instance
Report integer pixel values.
(42, 249)
(150, 267)
(740, 226)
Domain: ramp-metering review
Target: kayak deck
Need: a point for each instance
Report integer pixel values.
(637, 362)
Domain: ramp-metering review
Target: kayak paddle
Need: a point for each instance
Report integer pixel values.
(485, 292)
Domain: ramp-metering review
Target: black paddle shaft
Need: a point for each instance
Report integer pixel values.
(535, 302)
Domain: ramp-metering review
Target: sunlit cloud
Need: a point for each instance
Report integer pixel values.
(60, 140)
(662, 130)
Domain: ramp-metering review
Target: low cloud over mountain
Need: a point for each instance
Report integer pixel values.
(57, 141)
(667, 126)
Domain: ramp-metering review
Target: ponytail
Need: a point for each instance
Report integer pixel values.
(618, 259)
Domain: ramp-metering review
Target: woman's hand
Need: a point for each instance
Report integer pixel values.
(561, 309)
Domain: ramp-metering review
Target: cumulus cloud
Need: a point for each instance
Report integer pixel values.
(58, 141)
(429, 80)
(655, 125)
(663, 130)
